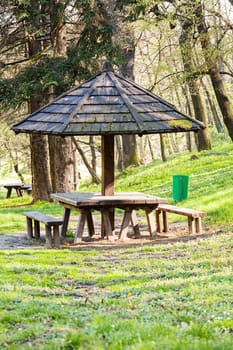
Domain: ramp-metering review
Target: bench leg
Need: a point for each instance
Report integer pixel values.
(158, 220)
(9, 190)
(29, 228)
(37, 229)
(198, 225)
(165, 221)
(48, 236)
(56, 236)
(190, 225)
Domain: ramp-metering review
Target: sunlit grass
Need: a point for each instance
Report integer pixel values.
(174, 296)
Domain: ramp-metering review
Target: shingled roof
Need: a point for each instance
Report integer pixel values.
(107, 104)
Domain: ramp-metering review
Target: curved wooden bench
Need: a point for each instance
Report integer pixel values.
(194, 217)
(33, 227)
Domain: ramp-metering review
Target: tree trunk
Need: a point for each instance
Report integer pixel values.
(41, 186)
(204, 142)
(92, 172)
(119, 153)
(130, 153)
(162, 148)
(62, 157)
(64, 165)
(215, 76)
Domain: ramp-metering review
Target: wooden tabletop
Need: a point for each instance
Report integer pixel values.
(12, 184)
(92, 199)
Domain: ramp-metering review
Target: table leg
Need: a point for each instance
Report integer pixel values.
(81, 224)
(134, 222)
(19, 191)
(125, 224)
(107, 224)
(90, 224)
(66, 218)
(151, 221)
(111, 215)
(9, 190)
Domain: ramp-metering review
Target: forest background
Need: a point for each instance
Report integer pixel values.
(179, 50)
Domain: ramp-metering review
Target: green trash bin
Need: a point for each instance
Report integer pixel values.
(180, 187)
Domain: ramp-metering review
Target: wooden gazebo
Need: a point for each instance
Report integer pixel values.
(107, 104)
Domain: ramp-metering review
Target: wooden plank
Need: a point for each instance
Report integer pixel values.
(48, 220)
(104, 118)
(182, 211)
(109, 108)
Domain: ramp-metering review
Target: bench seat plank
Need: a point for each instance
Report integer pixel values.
(182, 211)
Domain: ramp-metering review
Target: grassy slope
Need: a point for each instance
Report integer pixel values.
(173, 296)
(210, 187)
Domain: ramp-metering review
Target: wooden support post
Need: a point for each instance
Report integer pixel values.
(190, 224)
(66, 217)
(165, 222)
(151, 221)
(107, 224)
(107, 148)
(90, 224)
(48, 236)
(9, 190)
(37, 229)
(198, 225)
(81, 224)
(56, 237)
(158, 220)
(134, 222)
(29, 228)
(125, 224)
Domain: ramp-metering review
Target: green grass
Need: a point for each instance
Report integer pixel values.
(154, 297)
(174, 296)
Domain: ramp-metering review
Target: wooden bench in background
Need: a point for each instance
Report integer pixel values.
(194, 217)
(52, 224)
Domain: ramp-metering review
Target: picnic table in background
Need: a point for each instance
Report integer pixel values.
(19, 188)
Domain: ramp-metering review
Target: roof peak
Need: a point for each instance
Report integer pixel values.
(107, 67)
